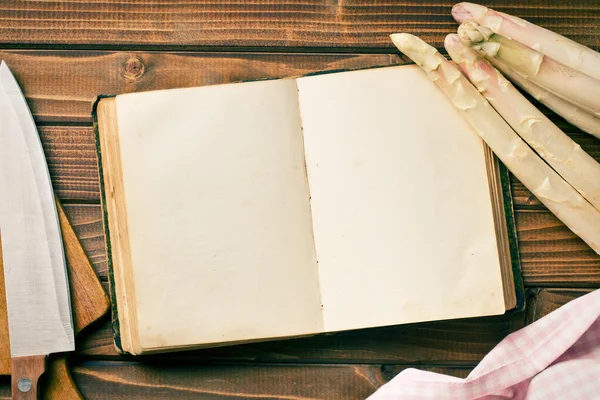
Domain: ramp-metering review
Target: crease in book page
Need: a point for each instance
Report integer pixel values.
(402, 217)
(310, 202)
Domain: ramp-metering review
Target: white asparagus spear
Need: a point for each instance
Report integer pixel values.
(561, 49)
(552, 190)
(570, 112)
(564, 155)
(573, 86)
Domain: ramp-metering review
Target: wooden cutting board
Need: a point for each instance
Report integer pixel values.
(88, 300)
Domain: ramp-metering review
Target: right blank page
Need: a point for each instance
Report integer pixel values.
(402, 217)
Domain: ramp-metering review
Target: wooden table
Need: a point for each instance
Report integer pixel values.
(66, 52)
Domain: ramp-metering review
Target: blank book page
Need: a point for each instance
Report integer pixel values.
(218, 213)
(401, 208)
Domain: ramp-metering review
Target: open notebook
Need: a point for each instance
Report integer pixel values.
(291, 207)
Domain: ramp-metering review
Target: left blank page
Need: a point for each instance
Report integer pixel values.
(218, 214)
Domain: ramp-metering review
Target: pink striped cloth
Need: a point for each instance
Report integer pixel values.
(556, 357)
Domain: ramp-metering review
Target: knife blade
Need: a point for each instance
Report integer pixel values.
(37, 292)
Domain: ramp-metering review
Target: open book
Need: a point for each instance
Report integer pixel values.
(291, 207)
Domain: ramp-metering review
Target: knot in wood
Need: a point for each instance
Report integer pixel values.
(134, 68)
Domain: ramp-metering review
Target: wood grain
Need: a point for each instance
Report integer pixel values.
(89, 301)
(134, 380)
(300, 23)
(60, 86)
(114, 380)
(71, 158)
(544, 301)
(551, 254)
(59, 382)
(86, 220)
(108, 380)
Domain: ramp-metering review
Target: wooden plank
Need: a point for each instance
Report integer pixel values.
(120, 380)
(329, 23)
(523, 198)
(71, 157)
(86, 219)
(62, 85)
(442, 342)
(548, 300)
(390, 371)
(551, 254)
(136, 381)
(112, 380)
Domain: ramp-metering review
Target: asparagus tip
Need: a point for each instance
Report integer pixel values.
(417, 50)
(404, 41)
(411, 44)
(454, 47)
(471, 33)
(464, 54)
(465, 11)
(452, 39)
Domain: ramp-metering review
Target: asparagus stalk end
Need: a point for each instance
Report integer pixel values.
(471, 33)
(483, 39)
(551, 44)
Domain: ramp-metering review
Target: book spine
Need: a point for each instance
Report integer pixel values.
(111, 279)
(512, 237)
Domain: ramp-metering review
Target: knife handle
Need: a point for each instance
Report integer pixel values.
(25, 376)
